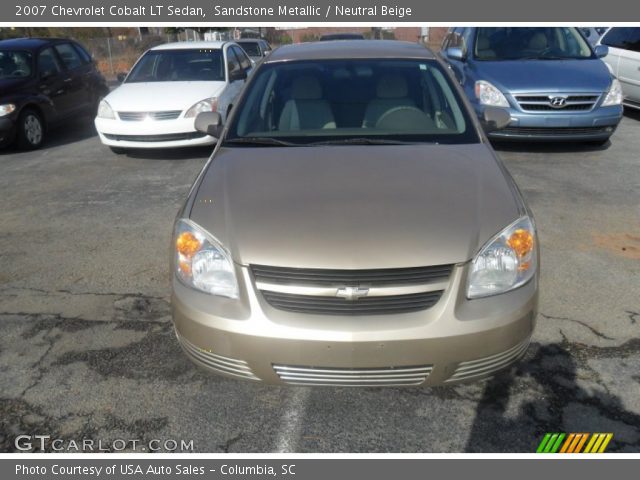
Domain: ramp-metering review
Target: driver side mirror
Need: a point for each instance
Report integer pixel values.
(496, 118)
(237, 75)
(455, 53)
(602, 51)
(209, 123)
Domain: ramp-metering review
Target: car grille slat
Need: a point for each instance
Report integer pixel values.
(543, 102)
(219, 363)
(346, 377)
(553, 131)
(155, 116)
(484, 366)
(301, 276)
(363, 306)
(168, 137)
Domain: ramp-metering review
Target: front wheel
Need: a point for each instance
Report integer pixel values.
(30, 130)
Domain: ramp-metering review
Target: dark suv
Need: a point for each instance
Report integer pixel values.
(44, 81)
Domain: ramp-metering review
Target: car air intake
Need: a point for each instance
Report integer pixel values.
(142, 116)
(353, 377)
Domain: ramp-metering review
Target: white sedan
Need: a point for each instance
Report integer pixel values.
(169, 85)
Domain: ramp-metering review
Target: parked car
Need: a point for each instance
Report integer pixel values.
(353, 226)
(44, 81)
(624, 59)
(256, 48)
(592, 34)
(167, 87)
(341, 36)
(553, 83)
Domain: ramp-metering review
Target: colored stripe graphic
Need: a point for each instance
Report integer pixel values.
(574, 443)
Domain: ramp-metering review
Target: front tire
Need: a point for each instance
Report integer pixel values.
(30, 130)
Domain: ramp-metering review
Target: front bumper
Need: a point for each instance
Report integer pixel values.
(7, 130)
(596, 125)
(151, 134)
(455, 340)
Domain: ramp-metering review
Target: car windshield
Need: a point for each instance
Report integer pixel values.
(251, 48)
(15, 64)
(180, 65)
(351, 101)
(530, 43)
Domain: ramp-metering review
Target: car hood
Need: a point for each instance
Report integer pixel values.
(528, 76)
(154, 96)
(355, 207)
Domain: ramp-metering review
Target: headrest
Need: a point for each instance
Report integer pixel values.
(392, 86)
(538, 41)
(483, 43)
(306, 88)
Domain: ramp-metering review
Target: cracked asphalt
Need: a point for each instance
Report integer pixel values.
(87, 349)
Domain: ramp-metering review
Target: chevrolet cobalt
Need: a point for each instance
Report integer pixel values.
(354, 227)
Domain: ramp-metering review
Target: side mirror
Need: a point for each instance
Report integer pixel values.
(209, 123)
(602, 51)
(496, 118)
(266, 52)
(455, 53)
(121, 76)
(237, 75)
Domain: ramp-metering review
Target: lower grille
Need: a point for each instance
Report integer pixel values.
(168, 137)
(142, 116)
(473, 369)
(553, 131)
(218, 363)
(315, 304)
(346, 377)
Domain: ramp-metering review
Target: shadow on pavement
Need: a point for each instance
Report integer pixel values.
(555, 401)
(187, 153)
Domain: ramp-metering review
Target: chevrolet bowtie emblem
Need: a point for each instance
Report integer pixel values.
(352, 293)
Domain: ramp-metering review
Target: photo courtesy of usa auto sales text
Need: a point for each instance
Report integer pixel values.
(148, 469)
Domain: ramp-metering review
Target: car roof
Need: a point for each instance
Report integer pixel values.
(32, 43)
(347, 49)
(190, 45)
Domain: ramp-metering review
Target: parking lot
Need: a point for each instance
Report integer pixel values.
(87, 348)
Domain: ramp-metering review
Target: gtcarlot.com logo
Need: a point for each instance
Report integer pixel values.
(574, 443)
(45, 443)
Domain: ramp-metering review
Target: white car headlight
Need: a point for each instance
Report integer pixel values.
(6, 109)
(507, 261)
(614, 95)
(206, 105)
(487, 94)
(105, 110)
(201, 262)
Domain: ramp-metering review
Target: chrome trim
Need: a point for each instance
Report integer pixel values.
(327, 376)
(333, 291)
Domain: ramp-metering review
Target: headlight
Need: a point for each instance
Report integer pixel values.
(206, 105)
(6, 109)
(507, 261)
(614, 95)
(487, 94)
(105, 110)
(201, 262)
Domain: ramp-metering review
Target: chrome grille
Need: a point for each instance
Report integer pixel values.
(353, 377)
(219, 363)
(141, 116)
(301, 276)
(481, 367)
(378, 305)
(557, 102)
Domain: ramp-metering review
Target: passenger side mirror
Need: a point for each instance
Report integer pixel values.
(237, 75)
(455, 53)
(121, 76)
(266, 52)
(602, 51)
(496, 118)
(209, 123)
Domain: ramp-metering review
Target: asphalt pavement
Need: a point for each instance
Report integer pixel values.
(87, 349)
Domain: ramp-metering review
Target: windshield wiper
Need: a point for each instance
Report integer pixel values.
(261, 142)
(361, 141)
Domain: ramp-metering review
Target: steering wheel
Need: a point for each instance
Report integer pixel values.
(19, 73)
(405, 117)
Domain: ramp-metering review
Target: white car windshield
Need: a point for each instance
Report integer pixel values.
(180, 65)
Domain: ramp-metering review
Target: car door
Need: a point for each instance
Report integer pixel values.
(233, 87)
(75, 77)
(629, 66)
(52, 82)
